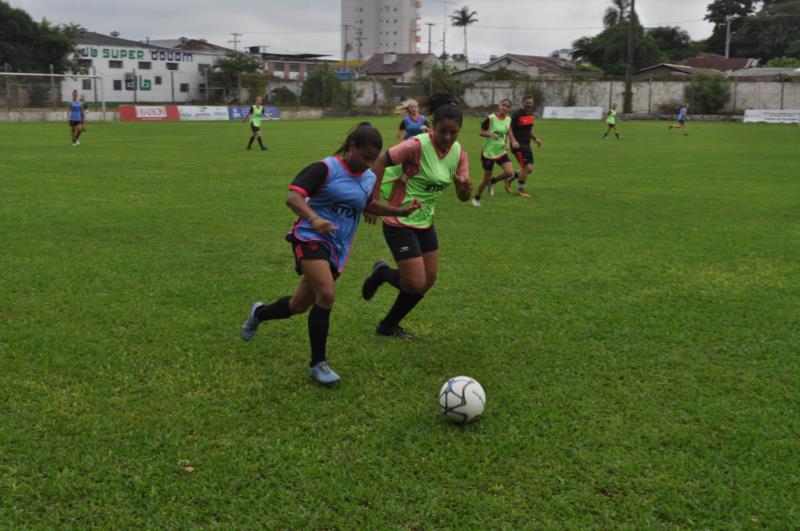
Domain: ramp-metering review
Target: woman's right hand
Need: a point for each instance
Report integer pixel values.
(322, 225)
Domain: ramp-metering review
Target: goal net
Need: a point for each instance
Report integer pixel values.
(21, 91)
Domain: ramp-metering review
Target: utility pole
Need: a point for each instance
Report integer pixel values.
(430, 25)
(346, 44)
(627, 106)
(728, 21)
(235, 41)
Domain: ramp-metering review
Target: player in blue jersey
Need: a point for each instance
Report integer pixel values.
(413, 123)
(76, 115)
(329, 197)
(683, 116)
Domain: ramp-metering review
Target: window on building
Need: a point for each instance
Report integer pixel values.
(115, 64)
(86, 84)
(172, 66)
(278, 67)
(117, 84)
(202, 67)
(145, 65)
(202, 88)
(158, 80)
(184, 87)
(294, 67)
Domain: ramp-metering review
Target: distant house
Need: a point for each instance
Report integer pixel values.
(396, 67)
(667, 70)
(291, 66)
(718, 62)
(469, 75)
(531, 65)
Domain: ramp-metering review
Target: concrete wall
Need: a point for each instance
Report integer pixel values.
(54, 116)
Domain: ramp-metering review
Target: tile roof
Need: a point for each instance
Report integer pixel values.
(717, 62)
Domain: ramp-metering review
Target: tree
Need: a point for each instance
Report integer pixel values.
(461, 19)
(772, 32)
(718, 12)
(321, 88)
(618, 12)
(229, 69)
(30, 46)
(674, 43)
(708, 94)
(784, 62)
(435, 79)
(608, 50)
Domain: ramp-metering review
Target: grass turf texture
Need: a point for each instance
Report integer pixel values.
(635, 326)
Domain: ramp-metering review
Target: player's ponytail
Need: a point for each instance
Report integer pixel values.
(444, 107)
(363, 134)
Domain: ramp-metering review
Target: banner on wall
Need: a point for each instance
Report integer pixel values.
(573, 113)
(239, 113)
(786, 116)
(193, 113)
(148, 113)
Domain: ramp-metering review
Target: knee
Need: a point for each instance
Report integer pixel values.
(429, 282)
(414, 286)
(297, 306)
(325, 298)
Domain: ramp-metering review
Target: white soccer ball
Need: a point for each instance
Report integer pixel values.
(462, 399)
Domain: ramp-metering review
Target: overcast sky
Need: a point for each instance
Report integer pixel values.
(535, 27)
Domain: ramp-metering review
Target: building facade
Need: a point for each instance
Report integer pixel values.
(134, 71)
(379, 26)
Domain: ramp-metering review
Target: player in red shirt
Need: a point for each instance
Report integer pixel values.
(522, 122)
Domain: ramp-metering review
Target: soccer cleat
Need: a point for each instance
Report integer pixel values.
(491, 190)
(322, 373)
(507, 185)
(476, 202)
(394, 331)
(522, 193)
(373, 281)
(250, 326)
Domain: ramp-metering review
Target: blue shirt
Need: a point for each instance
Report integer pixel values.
(75, 108)
(682, 114)
(340, 200)
(413, 127)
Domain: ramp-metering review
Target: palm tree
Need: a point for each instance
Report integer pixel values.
(463, 18)
(617, 13)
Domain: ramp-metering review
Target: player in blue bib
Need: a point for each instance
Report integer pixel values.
(413, 123)
(683, 116)
(329, 197)
(75, 116)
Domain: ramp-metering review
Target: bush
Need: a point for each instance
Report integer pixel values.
(282, 96)
(708, 94)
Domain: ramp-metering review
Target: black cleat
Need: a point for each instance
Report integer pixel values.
(373, 282)
(394, 331)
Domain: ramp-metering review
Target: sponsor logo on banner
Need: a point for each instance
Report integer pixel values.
(197, 113)
(151, 112)
(786, 116)
(573, 113)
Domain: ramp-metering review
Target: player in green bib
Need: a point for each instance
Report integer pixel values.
(612, 122)
(494, 130)
(255, 115)
(421, 167)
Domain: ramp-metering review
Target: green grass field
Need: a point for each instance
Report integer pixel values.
(635, 325)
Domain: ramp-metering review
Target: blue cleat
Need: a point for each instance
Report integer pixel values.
(250, 327)
(322, 373)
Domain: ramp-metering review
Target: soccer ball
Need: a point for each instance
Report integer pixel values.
(462, 399)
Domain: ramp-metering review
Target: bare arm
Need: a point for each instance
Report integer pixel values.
(298, 204)
(381, 209)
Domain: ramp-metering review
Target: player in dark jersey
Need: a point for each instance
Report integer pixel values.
(255, 115)
(329, 197)
(413, 123)
(76, 114)
(522, 123)
(420, 168)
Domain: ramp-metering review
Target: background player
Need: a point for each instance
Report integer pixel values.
(522, 123)
(494, 130)
(255, 115)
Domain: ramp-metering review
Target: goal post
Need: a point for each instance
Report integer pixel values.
(20, 91)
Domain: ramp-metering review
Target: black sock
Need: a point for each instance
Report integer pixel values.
(477, 197)
(277, 310)
(404, 303)
(250, 144)
(513, 177)
(77, 136)
(318, 321)
(392, 276)
(260, 143)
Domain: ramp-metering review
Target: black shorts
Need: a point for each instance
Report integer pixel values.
(73, 123)
(405, 242)
(311, 250)
(254, 129)
(524, 154)
(488, 164)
